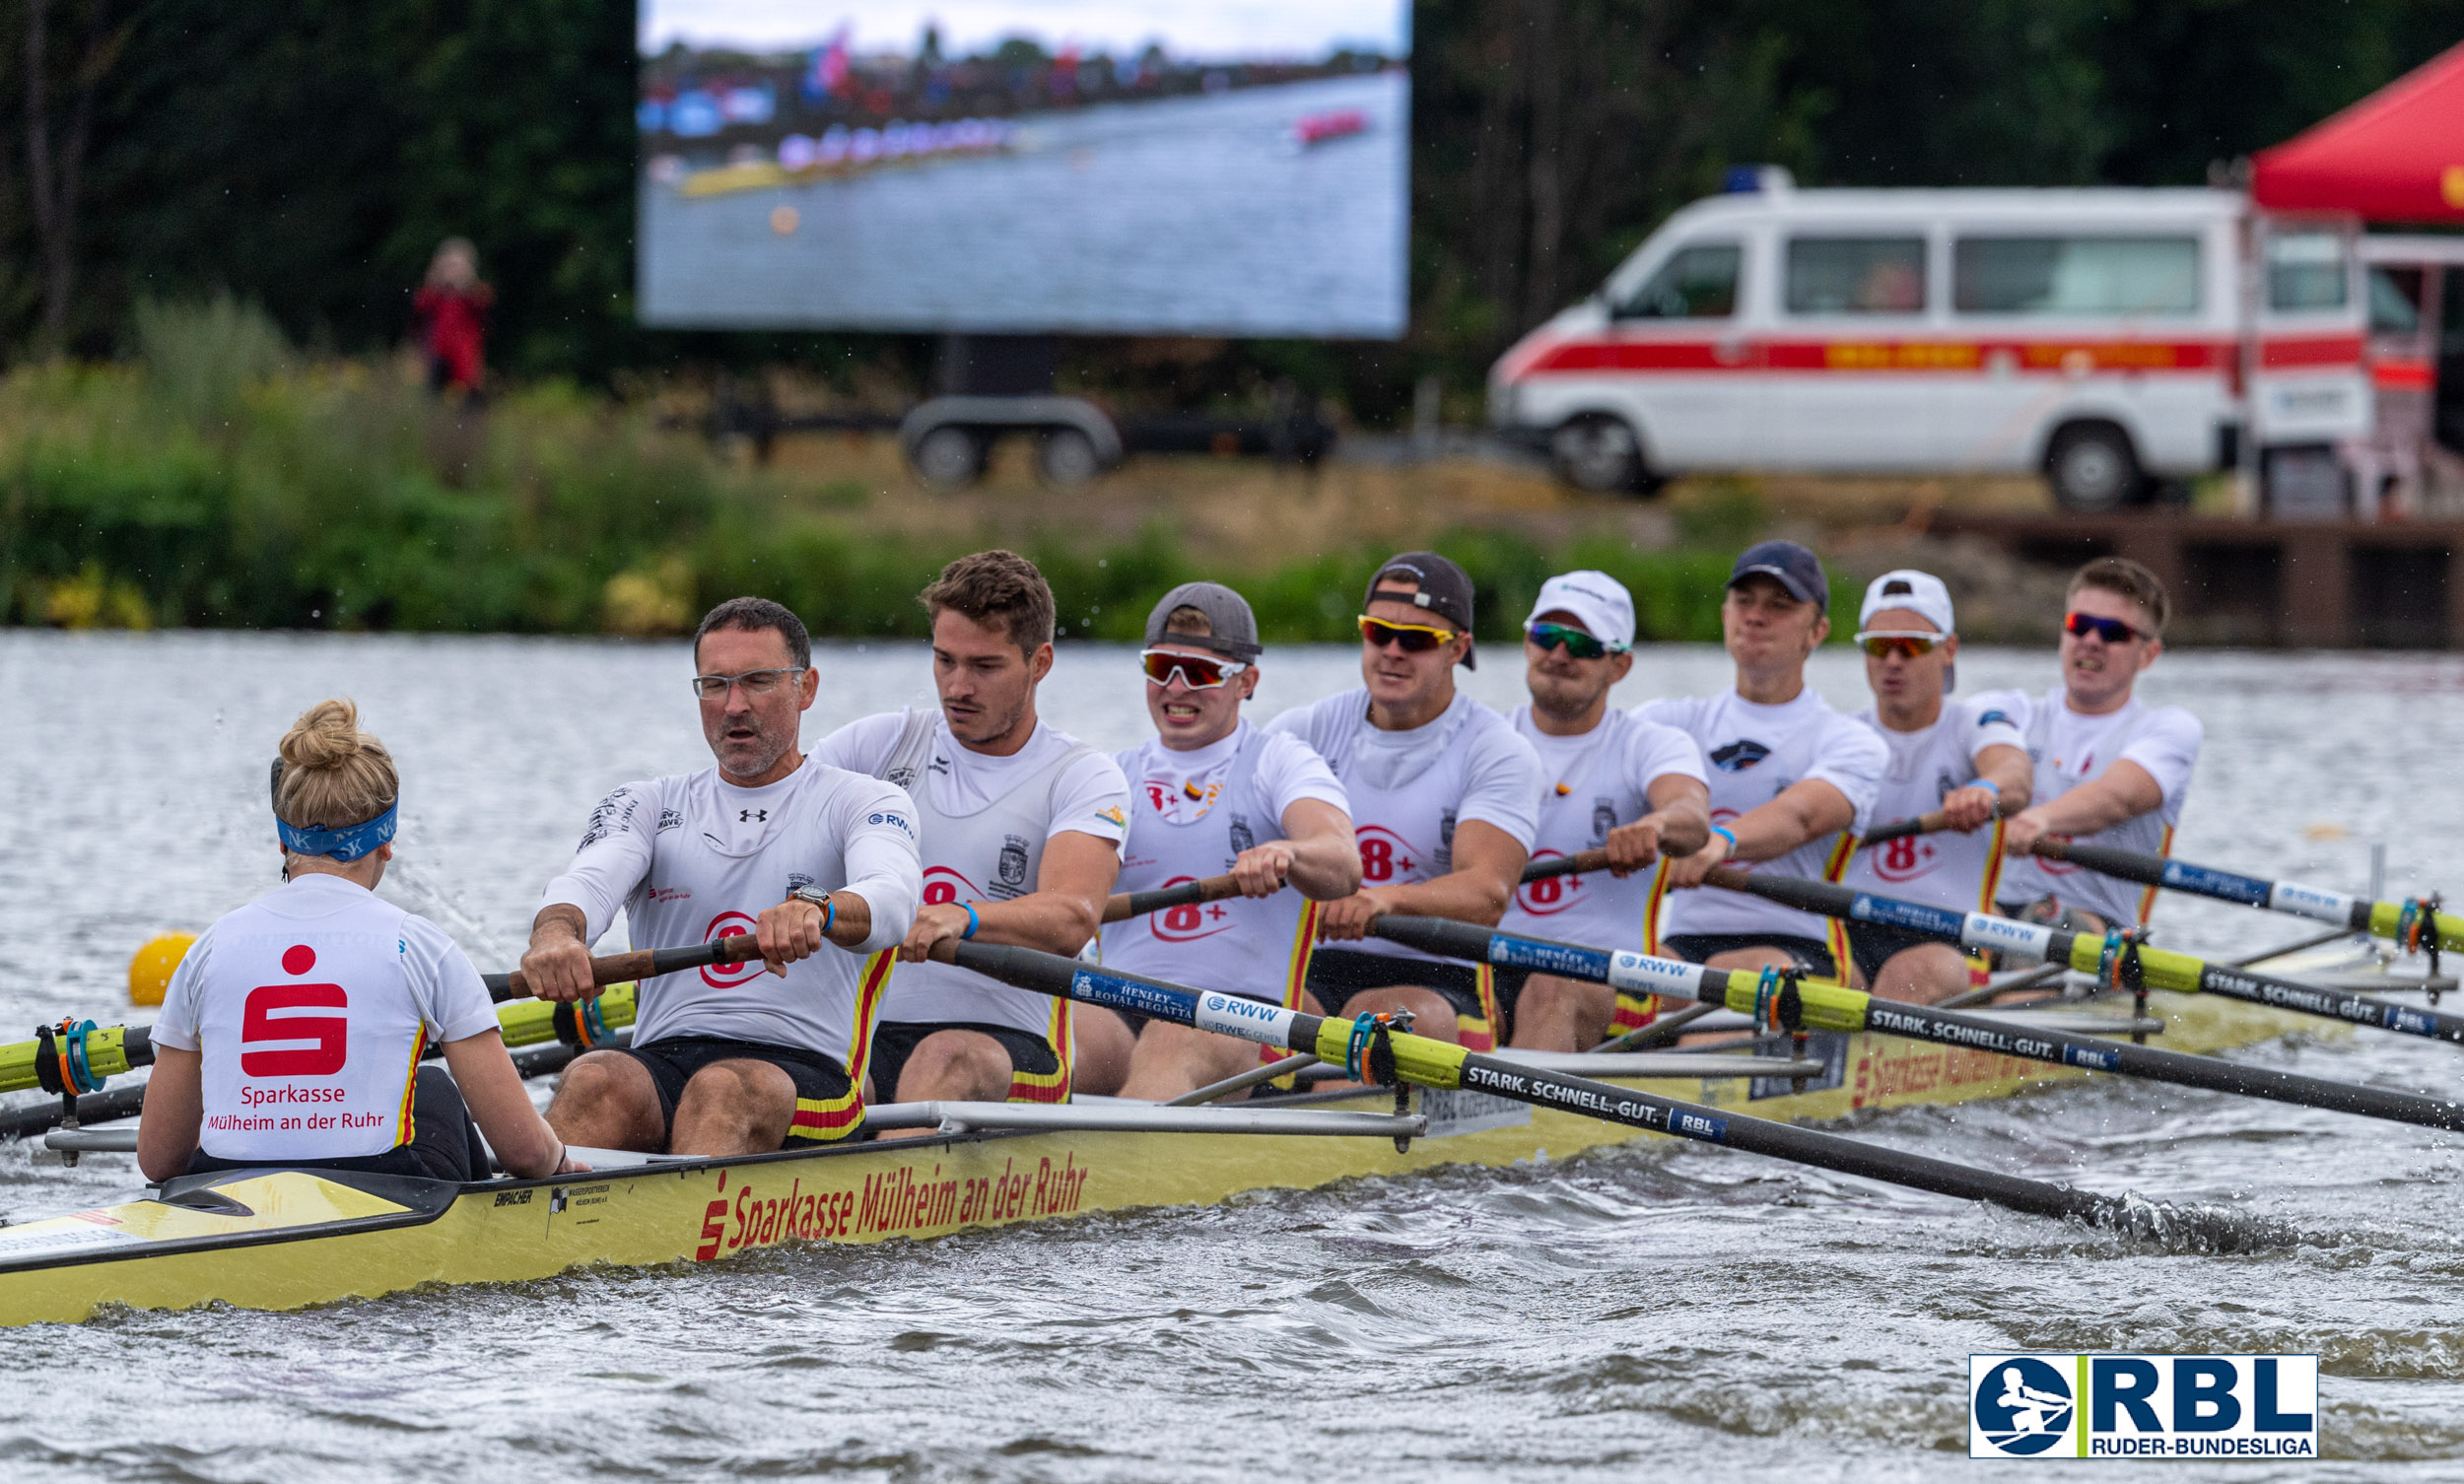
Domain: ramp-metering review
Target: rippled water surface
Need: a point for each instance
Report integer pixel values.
(1647, 1311)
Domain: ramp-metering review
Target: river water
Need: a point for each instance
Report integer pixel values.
(1641, 1310)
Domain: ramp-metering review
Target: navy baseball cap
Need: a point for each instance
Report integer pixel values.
(1791, 566)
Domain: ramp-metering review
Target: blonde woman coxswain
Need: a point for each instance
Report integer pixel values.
(292, 1032)
(1211, 794)
(816, 862)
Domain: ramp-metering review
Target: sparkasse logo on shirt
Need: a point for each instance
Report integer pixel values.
(2142, 1407)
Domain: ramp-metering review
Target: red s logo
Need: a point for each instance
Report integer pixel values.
(330, 1033)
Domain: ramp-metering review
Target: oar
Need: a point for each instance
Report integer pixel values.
(1424, 1063)
(1928, 823)
(2406, 922)
(1834, 1007)
(2032, 942)
(1123, 906)
(641, 964)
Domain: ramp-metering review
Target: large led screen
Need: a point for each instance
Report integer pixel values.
(1112, 167)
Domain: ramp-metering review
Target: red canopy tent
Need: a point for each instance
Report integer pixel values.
(2396, 156)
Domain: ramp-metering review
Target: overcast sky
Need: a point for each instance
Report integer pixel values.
(1306, 29)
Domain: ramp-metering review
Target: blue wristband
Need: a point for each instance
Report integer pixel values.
(973, 922)
(1986, 783)
(1725, 832)
(829, 915)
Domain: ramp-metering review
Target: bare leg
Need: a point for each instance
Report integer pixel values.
(1171, 1060)
(1562, 1015)
(734, 1108)
(606, 1099)
(1101, 1063)
(1924, 974)
(952, 1067)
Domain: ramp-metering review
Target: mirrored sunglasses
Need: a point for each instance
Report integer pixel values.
(1196, 672)
(1414, 639)
(2112, 630)
(1578, 644)
(1880, 643)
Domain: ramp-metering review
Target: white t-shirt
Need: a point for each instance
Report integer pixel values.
(1410, 790)
(1756, 752)
(1589, 785)
(1183, 787)
(1947, 869)
(1090, 796)
(692, 857)
(311, 1007)
(2071, 749)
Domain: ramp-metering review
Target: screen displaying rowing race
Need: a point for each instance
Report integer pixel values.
(1098, 167)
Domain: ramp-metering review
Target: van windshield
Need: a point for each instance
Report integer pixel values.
(2306, 270)
(2081, 275)
(1856, 275)
(1697, 282)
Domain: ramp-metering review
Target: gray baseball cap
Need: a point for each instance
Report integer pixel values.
(1233, 627)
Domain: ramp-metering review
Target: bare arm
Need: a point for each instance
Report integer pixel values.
(167, 1133)
(1804, 810)
(1678, 823)
(1316, 855)
(493, 1091)
(2126, 792)
(1489, 863)
(1059, 917)
(2008, 770)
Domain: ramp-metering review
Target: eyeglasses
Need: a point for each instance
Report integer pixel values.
(1904, 643)
(1576, 644)
(752, 682)
(2112, 630)
(1414, 638)
(1197, 672)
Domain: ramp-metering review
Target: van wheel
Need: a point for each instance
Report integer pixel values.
(2093, 467)
(1067, 459)
(950, 457)
(1601, 454)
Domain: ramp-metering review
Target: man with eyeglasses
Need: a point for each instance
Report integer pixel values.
(1792, 781)
(1021, 828)
(1209, 795)
(1444, 797)
(733, 1060)
(1965, 759)
(1611, 781)
(2110, 769)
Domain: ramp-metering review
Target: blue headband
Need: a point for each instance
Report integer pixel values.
(349, 842)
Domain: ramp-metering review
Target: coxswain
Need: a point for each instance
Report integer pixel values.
(1445, 798)
(1212, 795)
(2110, 769)
(1021, 827)
(1611, 781)
(1792, 781)
(1963, 759)
(745, 1058)
(291, 1033)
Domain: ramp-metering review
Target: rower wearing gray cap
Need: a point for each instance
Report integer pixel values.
(1211, 794)
(1792, 781)
(1966, 758)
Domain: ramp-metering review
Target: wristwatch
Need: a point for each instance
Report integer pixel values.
(829, 909)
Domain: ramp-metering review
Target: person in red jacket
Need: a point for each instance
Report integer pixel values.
(452, 308)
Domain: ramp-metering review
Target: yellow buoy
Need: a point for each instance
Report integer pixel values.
(150, 972)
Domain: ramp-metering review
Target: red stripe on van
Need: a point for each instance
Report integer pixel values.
(2076, 357)
(2404, 375)
(2310, 350)
(1642, 356)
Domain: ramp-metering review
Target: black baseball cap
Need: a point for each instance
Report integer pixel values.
(1444, 590)
(1232, 629)
(1791, 566)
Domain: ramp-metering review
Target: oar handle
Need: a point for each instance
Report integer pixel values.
(1580, 863)
(1901, 829)
(1123, 906)
(641, 964)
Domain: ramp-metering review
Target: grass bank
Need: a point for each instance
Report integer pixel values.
(218, 478)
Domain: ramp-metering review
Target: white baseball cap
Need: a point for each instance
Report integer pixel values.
(1598, 600)
(1919, 593)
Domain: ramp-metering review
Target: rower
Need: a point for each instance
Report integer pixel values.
(1966, 760)
(1021, 832)
(1444, 796)
(292, 1032)
(724, 1061)
(2110, 770)
(1203, 789)
(1792, 781)
(1611, 781)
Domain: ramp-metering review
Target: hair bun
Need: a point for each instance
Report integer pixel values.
(326, 735)
(333, 775)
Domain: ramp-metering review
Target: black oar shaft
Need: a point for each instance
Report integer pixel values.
(1430, 1063)
(641, 964)
(2383, 918)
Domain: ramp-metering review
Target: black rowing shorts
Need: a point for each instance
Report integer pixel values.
(1872, 945)
(1036, 1072)
(827, 1104)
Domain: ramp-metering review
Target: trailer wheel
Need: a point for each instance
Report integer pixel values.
(1066, 457)
(2093, 467)
(1601, 454)
(950, 457)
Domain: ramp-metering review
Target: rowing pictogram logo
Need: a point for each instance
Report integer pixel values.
(1549, 895)
(1385, 856)
(2023, 1406)
(1190, 921)
(1905, 858)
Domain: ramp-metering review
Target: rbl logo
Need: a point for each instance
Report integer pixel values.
(329, 1035)
(1386, 856)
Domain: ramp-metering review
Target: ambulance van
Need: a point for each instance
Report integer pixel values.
(2108, 339)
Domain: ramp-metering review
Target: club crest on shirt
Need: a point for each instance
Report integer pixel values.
(1604, 819)
(1009, 872)
(1739, 756)
(1242, 837)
